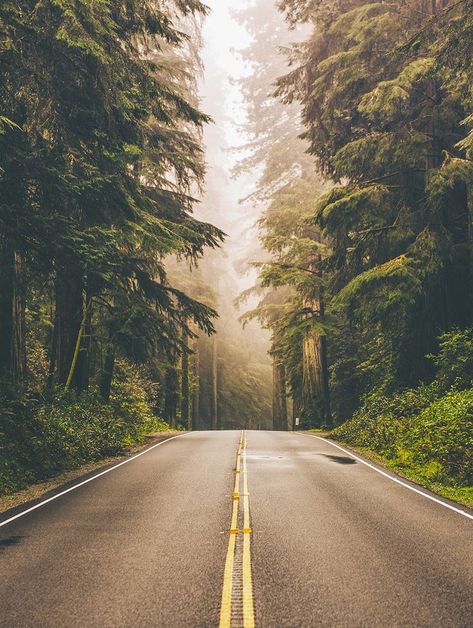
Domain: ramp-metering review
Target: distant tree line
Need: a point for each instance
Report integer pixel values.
(225, 382)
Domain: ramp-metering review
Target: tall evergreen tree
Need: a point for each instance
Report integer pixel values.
(283, 193)
(100, 151)
(382, 121)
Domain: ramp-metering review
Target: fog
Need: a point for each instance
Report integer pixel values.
(233, 370)
(243, 364)
(221, 97)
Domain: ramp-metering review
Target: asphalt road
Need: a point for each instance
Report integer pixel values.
(333, 543)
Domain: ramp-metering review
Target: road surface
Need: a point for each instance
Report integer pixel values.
(267, 528)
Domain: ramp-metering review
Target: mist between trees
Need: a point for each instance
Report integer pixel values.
(355, 275)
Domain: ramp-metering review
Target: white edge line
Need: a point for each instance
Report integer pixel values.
(94, 477)
(390, 477)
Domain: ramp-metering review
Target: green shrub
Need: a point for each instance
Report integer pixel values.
(418, 430)
(382, 421)
(443, 433)
(454, 360)
(42, 437)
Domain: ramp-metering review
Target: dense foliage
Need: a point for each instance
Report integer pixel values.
(378, 264)
(229, 382)
(428, 428)
(368, 245)
(41, 437)
(99, 155)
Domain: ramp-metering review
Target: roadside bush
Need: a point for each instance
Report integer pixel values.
(41, 437)
(443, 433)
(380, 424)
(380, 432)
(132, 398)
(454, 360)
(433, 435)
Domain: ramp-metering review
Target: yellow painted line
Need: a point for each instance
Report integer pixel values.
(235, 515)
(248, 603)
(226, 606)
(226, 603)
(241, 472)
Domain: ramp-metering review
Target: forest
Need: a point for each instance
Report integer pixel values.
(118, 314)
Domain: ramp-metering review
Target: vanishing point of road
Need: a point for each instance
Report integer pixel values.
(266, 529)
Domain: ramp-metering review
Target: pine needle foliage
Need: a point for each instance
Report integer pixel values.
(100, 161)
(385, 95)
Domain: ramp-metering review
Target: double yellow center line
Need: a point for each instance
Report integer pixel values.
(234, 573)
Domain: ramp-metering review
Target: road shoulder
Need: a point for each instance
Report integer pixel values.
(462, 496)
(11, 504)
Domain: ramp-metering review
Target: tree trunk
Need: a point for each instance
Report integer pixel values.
(312, 389)
(19, 313)
(279, 396)
(171, 396)
(296, 407)
(6, 314)
(53, 345)
(214, 404)
(80, 357)
(106, 377)
(185, 418)
(12, 318)
(69, 319)
(315, 374)
(327, 410)
(83, 363)
(196, 390)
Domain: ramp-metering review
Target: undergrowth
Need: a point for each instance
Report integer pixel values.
(426, 432)
(44, 435)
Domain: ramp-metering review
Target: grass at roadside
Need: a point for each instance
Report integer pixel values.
(461, 494)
